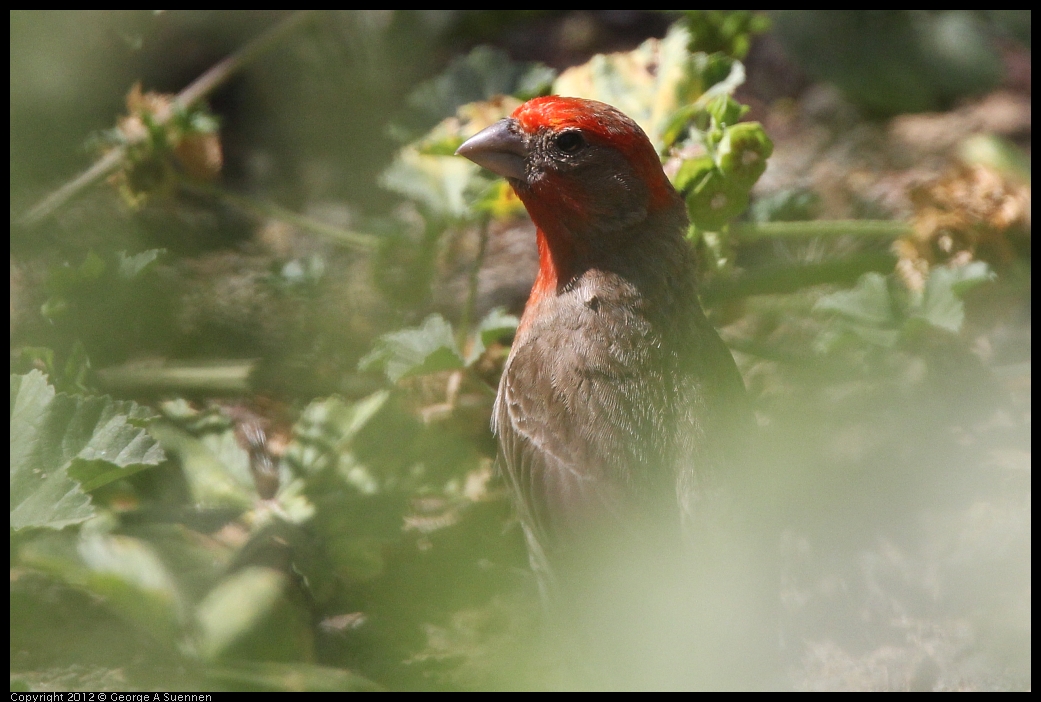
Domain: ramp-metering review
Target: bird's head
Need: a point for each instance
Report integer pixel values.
(582, 168)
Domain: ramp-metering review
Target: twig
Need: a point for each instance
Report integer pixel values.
(222, 70)
(101, 168)
(200, 88)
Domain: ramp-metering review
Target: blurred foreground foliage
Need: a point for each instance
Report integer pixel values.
(289, 483)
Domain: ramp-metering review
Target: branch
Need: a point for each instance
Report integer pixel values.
(200, 88)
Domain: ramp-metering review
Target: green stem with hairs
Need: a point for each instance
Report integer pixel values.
(870, 228)
(783, 279)
(471, 294)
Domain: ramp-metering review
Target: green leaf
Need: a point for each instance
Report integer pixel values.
(54, 307)
(132, 266)
(495, 325)
(941, 303)
(235, 606)
(710, 79)
(694, 174)
(649, 83)
(728, 31)
(42, 493)
(965, 278)
(726, 110)
(49, 431)
(124, 572)
(92, 267)
(362, 557)
(714, 74)
(536, 80)
(93, 474)
(874, 311)
(326, 428)
(868, 303)
(77, 368)
(437, 182)
(469, 119)
(215, 466)
(429, 348)
(132, 579)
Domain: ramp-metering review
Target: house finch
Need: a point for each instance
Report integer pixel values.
(618, 397)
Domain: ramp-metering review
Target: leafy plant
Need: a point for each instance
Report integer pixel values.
(717, 185)
(879, 310)
(252, 532)
(432, 347)
(63, 446)
(162, 138)
(725, 31)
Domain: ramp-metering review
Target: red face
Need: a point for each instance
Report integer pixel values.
(600, 125)
(587, 174)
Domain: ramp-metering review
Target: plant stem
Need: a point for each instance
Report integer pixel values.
(781, 279)
(471, 294)
(206, 378)
(875, 228)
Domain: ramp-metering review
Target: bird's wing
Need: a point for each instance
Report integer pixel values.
(555, 471)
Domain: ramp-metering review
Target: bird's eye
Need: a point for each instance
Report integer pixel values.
(570, 142)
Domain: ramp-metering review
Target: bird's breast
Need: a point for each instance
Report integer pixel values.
(588, 377)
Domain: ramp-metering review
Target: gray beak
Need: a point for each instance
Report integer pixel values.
(499, 148)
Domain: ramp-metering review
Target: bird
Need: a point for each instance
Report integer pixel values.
(619, 401)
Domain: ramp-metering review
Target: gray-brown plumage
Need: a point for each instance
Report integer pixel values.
(618, 397)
